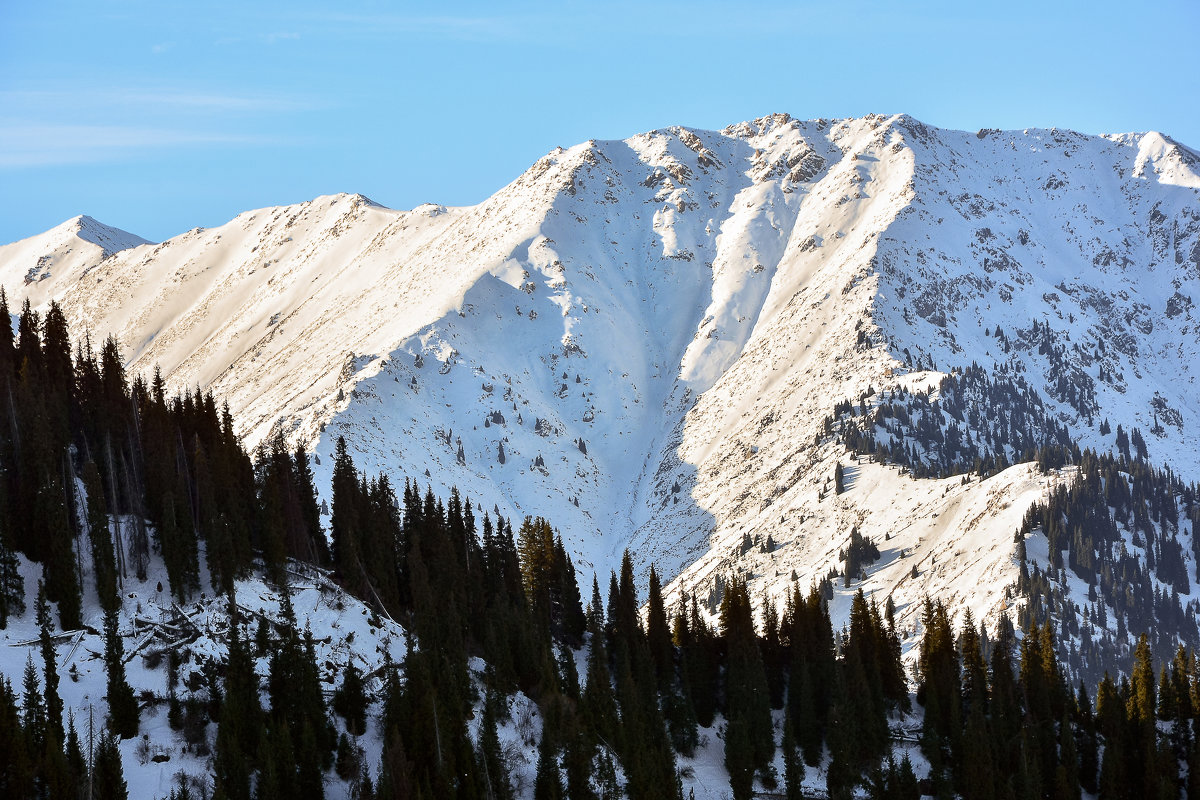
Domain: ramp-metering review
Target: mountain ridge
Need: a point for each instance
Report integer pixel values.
(652, 330)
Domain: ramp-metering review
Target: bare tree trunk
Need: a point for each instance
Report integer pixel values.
(78, 521)
(12, 410)
(119, 532)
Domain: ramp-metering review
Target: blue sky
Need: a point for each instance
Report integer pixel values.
(159, 116)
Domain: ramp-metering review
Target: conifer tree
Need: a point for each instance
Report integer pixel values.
(1066, 774)
(497, 785)
(346, 763)
(7, 352)
(773, 654)
(1006, 714)
(680, 715)
(658, 634)
(1143, 702)
(598, 705)
(52, 526)
(395, 769)
(309, 511)
(277, 777)
(974, 768)
(312, 760)
(864, 662)
(344, 522)
(793, 764)
(939, 677)
(12, 584)
(643, 742)
(1085, 733)
(122, 705)
(52, 770)
(698, 682)
(974, 668)
(240, 727)
(578, 755)
(844, 772)
(297, 706)
(104, 565)
(108, 776)
(1192, 785)
(548, 783)
(16, 768)
(907, 787)
(749, 740)
(76, 765)
(54, 703)
(33, 712)
(623, 620)
(535, 545)
(809, 634)
(28, 355)
(571, 622)
(350, 701)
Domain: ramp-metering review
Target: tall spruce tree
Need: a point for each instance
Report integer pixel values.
(240, 728)
(793, 764)
(54, 703)
(108, 776)
(749, 739)
(104, 565)
(12, 584)
(122, 705)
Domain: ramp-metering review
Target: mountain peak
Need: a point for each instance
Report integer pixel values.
(1171, 162)
(109, 239)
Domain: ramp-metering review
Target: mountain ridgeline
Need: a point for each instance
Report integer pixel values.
(652, 330)
(793, 378)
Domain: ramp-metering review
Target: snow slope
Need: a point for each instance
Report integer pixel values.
(653, 330)
(343, 629)
(61, 256)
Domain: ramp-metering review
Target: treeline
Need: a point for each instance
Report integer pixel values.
(1125, 529)
(1000, 718)
(1122, 526)
(157, 471)
(651, 680)
(1002, 721)
(976, 424)
(468, 588)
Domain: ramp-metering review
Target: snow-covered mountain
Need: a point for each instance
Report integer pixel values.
(641, 339)
(64, 253)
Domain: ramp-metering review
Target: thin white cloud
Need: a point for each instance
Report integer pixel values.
(39, 145)
(33, 102)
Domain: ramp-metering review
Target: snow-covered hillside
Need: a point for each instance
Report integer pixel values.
(64, 254)
(640, 339)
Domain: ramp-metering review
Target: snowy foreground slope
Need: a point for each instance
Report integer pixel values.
(640, 339)
(151, 624)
